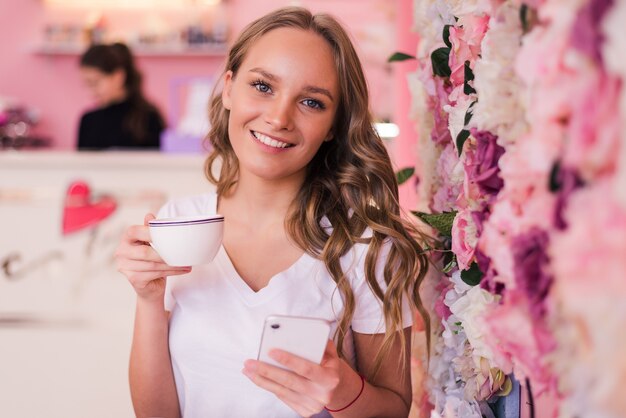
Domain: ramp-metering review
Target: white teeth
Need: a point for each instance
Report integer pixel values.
(269, 141)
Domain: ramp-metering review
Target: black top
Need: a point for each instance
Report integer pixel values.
(103, 128)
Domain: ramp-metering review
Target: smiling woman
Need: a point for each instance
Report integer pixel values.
(281, 106)
(312, 228)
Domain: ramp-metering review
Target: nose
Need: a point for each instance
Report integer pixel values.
(279, 115)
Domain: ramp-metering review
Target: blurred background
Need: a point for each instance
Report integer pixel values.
(179, 46)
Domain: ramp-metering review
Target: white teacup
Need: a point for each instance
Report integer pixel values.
(187, 240)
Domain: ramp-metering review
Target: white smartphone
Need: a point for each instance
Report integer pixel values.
(304, 337)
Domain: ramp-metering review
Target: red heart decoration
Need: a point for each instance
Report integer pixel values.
(79, 212)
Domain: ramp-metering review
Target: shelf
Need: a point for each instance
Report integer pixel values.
(217, 50)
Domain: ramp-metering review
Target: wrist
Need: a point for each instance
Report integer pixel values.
(150, 304)
(352, 387)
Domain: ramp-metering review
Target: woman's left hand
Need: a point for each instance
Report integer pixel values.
(306, 387)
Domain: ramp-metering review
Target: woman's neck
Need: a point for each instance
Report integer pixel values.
(264, 203)
(117, 98)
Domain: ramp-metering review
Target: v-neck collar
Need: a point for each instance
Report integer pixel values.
(276, 285)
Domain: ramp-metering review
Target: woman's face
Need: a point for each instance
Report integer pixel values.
(105, 88)
(282, 104)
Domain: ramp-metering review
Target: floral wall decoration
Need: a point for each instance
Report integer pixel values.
(520, 108)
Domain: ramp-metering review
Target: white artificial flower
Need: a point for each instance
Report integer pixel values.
(470, 310)
(456, 114)
(460, 286)
(460, 408)
(429, 19)
(427, 152)
(465, 7)
(500, 108)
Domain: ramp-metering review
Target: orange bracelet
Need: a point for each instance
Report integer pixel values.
(354, 400)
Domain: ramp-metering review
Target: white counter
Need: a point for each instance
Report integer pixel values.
(65, 312)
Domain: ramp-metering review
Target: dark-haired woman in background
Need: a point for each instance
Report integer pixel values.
(124, 117)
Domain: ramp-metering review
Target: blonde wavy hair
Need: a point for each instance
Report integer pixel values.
(350, 181)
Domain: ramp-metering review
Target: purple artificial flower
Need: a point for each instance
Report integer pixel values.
(530, 268)
(481, 165)
(587, 35)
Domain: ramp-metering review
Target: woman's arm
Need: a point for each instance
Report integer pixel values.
(309, 387)
(152, 386)
(388, 394)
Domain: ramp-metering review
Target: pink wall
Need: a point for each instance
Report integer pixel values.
(404, 152)
(52, 84)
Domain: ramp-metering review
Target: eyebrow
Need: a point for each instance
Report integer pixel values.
(309, 89)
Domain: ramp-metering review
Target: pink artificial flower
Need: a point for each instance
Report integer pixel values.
(541, 66)
(590, 254)
(494, 242)
(517, 340)
(465, 38)
(464, 238)
(526, 165)
(456, 110)
(534, 4)
(589, 267)
(441, 309)
(594, 128)
(440, 133)
(437, 90)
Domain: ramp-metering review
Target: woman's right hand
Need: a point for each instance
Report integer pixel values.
(141, 264)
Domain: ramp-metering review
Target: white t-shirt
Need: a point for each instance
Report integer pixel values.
(217, 319)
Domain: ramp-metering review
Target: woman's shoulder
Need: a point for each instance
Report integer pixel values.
(111, 110)
(92, 114)
(200, 204)
(354, 258)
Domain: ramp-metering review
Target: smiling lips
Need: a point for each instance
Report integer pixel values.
(270, 142)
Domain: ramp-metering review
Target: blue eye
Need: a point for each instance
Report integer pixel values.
(315, 104)
(261, 86)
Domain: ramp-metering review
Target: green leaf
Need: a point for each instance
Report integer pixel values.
(469, 76)
(448, 255)
(440, 62)
(468, 114)
(523, 15)
(404, 174)
(450, 266)
(472, 276)
(460, 140)
(554, 184)
(400, 56)
(442, 222)
(446, 36)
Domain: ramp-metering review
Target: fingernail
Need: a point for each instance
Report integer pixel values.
(275, 354)
(250, 365)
